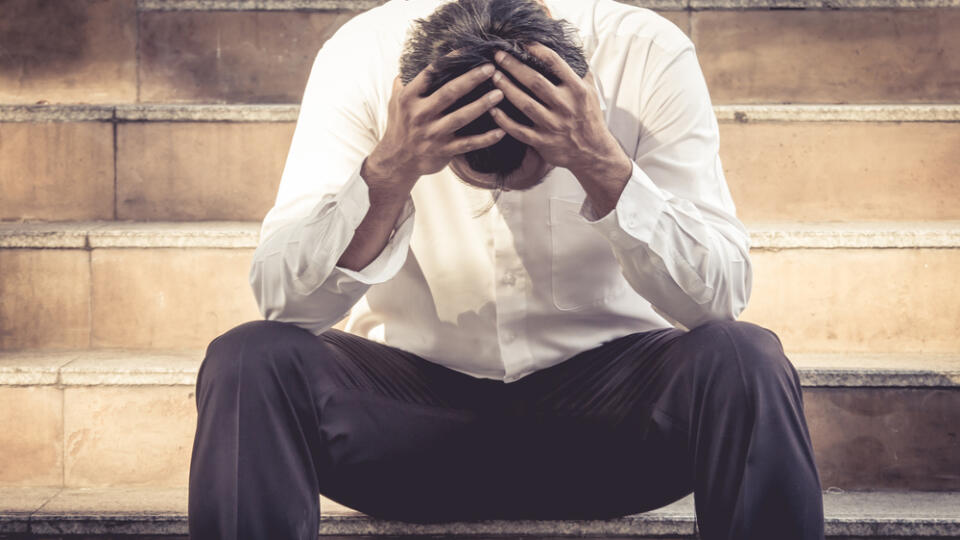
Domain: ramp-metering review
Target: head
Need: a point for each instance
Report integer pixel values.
(475, 30)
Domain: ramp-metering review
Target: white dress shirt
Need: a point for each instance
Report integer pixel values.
(539, 277)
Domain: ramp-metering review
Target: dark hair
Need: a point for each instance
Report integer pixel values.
(476, 29)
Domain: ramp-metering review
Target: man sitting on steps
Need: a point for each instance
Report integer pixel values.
(517, 224)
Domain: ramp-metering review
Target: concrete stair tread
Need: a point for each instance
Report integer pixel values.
(163, 511)
(118, 367)
(244, 234)
(287, 112)
(321, 5)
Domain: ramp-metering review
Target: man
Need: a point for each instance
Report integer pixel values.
(509, 355)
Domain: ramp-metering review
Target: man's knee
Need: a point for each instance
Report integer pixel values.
(746, 348)
(255, 347)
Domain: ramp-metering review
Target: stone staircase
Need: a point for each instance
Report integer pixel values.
(141, 141)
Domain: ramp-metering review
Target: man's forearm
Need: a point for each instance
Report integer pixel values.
(604, 181)
(373, 233)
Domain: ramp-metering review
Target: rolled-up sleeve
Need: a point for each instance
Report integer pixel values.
(674, 229)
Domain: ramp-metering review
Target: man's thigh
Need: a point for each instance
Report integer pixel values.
(403, 438)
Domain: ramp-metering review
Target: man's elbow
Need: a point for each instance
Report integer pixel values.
(731, 295)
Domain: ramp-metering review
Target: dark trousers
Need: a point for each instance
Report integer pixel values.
(629, 426)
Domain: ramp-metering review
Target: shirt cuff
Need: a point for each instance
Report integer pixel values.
(634, 218)
(354, 199)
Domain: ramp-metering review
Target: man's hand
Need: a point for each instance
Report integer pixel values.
(419, 139)
(569, 129)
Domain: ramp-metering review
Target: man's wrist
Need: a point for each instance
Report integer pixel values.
(605, 179)
(383, 185)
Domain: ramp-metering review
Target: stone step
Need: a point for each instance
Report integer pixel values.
(100, 51)
(833, 287)
(141, 513)
(673, 5)
(877, 421)
(223, 162)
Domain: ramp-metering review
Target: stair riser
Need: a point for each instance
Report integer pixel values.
(230, 171)
(829, 56)
(831, 171)
(151, 298)
(817, 300)
(83, 51)
(878, 438)
(868, 300)
(864, 438)
(207, 56)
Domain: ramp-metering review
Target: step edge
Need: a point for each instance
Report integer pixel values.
(718, 5)
(245, 234)
(284, 113)
(145, 368)
(666, 5)
(874, 518)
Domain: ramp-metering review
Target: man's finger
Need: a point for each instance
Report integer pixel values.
(462, 145)
(554, 62)
(516, 130)
(420, 83)
(469, 112)
(522, 101)
(397, 88)
(529, 77)
(453, 90)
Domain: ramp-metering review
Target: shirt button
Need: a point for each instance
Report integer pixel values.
(509, 279)
(632, 221)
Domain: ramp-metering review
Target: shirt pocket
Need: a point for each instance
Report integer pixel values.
(584, 273)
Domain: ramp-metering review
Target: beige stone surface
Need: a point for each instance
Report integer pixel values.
(199, 171)
(251, 57)
(31, 441)
(56, 171)
(24, 500)
(115, 367)
(854, 234)
(858, 300)
(830, 56)
(120, 500)
(45, 299)
(45, 234)
(883, 438)
(169, 298)
(33, 368)
(81, 51)
(139, 435)
(811, 171)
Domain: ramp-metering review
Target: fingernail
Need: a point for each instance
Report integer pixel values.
(498, 133)
(487, 69)
(494, 111)
(499, 56)
(495, 96)
(497, 76)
